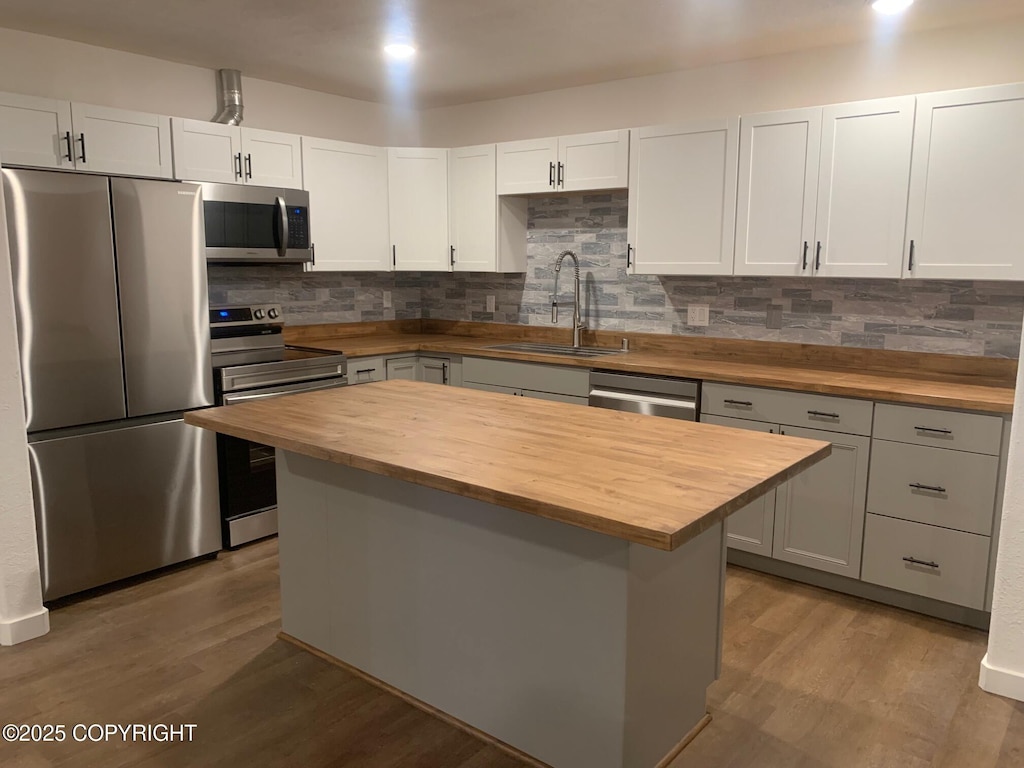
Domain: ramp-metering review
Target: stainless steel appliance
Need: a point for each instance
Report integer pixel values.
(111, 301)
(256, 224)
(252, 362)
(649, 395)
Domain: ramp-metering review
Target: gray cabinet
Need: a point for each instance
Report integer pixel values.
(564, 384)
(819, 514)
(753, 527)
(406, 368)
(434, 369)
(363, 370)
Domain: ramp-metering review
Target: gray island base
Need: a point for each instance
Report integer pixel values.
(572, 648)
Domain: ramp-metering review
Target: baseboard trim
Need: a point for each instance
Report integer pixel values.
(26, 628)
(508, 749)
(1001, 682)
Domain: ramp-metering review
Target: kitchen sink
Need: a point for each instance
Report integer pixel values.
(556, 349)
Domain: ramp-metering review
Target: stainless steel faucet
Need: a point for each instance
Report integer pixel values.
(577, 326)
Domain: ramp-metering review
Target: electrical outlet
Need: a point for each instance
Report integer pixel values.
(697, 314)
(387, 299)
(490, 303)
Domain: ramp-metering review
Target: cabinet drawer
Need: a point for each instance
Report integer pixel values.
(973, 432)
(538, 377)
(362, 370)
(796, 409)
(950, 565)
(930, 485)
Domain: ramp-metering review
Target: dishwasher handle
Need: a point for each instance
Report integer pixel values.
(639, 402)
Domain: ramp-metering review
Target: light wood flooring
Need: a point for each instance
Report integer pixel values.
(810, 679)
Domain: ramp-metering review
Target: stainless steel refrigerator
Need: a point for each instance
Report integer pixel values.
(111, 299)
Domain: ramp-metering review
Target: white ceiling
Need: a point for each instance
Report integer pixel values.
(470, 50)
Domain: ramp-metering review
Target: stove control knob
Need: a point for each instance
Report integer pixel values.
(272, 313)
(258, 314)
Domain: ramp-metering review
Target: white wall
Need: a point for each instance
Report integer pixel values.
(47, 66)
(22, 616)
(936, 61)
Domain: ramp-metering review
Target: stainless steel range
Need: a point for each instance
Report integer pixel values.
(252, 362)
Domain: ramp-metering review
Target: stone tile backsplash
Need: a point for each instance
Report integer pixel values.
(956, 317)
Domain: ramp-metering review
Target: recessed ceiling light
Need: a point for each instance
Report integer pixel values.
(890, 7)
(399, 51)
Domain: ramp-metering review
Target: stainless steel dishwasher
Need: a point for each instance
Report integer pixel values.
(649, 395)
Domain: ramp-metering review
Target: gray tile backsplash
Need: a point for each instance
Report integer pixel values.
(956, 317)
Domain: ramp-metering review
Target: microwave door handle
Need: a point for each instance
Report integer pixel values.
(282, 209)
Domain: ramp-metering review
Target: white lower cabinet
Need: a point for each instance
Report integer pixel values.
(753, 527)
(819, 514)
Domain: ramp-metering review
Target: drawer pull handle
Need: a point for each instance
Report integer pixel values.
(744, 403)
(926, 563)
(823, 414)
(935, 429)
(932, 488)
(366, 370)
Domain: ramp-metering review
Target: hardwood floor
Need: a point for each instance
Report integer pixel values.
(810, 679)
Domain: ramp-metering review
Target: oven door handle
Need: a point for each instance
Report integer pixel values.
(282, 210)
(265, 393)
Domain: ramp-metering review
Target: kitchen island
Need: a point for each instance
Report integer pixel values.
(547, 576)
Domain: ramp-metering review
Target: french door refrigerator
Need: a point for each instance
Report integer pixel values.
(111, 303)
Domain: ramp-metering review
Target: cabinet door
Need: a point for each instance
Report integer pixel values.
(778, 182)
(35, 132)
(527, 166)
(554, 397)
(348, 197)
(862, 188)
(272, 159)
(751, 528)
(819, 514)
(682, 198)
(206, 151)
(418, 208)
(474, 211)
(967, 185)
(593, 161)
(500, 389)
(405, 368)
(121, 142)
(434, 370)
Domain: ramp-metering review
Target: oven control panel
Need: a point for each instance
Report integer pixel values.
(253, 314)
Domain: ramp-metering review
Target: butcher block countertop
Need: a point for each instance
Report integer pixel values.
(945, 381)
(658, 482)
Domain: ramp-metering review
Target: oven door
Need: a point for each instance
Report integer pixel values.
(248, 484)
(256, 224)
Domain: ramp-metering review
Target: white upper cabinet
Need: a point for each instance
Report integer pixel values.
(593, 161)
(418, 208)
(348, 200)
(206, 151)
(778, 181)
(120, 141)
(488, 233)
(271, 159)
(35, 132)
(682, 198)
(585, 161)
(967, 185)
(862, 188)
(525, 167)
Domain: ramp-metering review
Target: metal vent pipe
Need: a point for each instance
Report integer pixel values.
(230, 82)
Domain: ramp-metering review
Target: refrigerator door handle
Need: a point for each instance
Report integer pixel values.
(282, 245)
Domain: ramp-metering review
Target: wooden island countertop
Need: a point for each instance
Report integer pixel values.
(658, 482)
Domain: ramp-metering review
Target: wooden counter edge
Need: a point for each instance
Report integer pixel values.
(666, 540)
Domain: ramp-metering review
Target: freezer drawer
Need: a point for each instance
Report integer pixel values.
(121, 502)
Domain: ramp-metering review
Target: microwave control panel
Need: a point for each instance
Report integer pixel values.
(298, 227)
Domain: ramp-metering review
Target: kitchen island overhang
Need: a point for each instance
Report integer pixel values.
(582, 633)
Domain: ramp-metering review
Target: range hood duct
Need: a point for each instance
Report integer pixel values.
(230, 82)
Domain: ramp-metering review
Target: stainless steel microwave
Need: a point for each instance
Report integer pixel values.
(256, 224)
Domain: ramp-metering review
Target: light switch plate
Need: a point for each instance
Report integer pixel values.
(490, 303)
(697, 314)
(387, 299)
